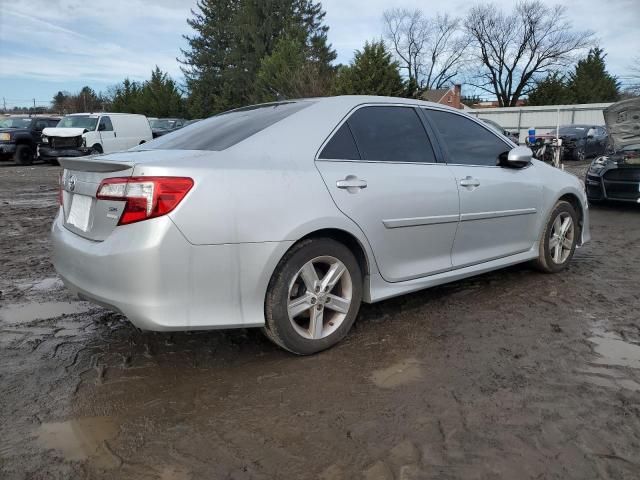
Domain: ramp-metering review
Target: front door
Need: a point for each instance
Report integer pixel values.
(107, 135)
(499, 207)
(381, 171)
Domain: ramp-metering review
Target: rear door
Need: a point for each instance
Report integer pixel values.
(382, 171)
(499, 207)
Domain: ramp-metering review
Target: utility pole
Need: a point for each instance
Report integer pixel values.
(4, 105)
(34, 103)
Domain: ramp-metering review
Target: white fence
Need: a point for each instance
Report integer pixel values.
(542, 118)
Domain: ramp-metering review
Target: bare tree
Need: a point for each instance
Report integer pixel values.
(429, 49)
(513, 49)
(633, 78)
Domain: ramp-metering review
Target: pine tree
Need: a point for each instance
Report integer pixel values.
(553, 90)
(591, 83)
(372, 72)
(233, 37)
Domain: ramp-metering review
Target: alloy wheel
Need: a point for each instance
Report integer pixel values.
(319, 297)
(561, 239)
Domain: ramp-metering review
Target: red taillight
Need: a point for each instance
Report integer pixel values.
(146, 197)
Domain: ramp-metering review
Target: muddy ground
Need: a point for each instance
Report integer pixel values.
(512, 375)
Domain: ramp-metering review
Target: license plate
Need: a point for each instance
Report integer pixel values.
(80, 211)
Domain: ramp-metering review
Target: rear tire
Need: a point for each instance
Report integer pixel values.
(559, 239)
(23, 155)
(313, 297)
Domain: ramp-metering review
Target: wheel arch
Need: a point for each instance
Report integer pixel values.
(347, 239)
(575, 202)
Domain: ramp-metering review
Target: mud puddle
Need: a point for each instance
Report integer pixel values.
(81, 439)
(401, 373)
(614, 350)
(28, 312)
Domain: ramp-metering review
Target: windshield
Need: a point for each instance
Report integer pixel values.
(577, 131)
(227, 129)
(162, 123)
(15, 122)
(78, 121)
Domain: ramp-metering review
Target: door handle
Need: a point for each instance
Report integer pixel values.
(470, 182)
(351, 182)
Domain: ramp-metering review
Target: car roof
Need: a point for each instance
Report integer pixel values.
(355, 100)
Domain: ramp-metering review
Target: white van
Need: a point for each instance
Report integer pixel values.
(82, 134)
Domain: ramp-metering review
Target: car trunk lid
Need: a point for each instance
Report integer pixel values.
(84, 214)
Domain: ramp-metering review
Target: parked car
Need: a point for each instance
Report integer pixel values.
(514, 137)
(287, 215)
(21, 135)
(83, 134)
(580, 142)
(162, 126)
(616, 176)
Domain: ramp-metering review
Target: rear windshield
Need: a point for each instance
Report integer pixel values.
(226, 129)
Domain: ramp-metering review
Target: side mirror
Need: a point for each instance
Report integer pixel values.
(518, 157)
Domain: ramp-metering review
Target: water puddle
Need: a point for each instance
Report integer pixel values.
(613, 350)
(28, 312)
(81, 439)
(398, 374)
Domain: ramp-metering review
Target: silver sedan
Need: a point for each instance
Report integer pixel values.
(286, 216)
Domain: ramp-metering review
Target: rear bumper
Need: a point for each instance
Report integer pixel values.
(151, 274)
(49, 152)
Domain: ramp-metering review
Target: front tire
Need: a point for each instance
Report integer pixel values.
(313, 297)
(24, 155)
(559, 239)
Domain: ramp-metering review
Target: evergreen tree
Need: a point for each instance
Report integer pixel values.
(59, 103)
(233, 37)
(372, 72)
(160, 96)
(157, 97)
(553, 90)
(126, 97)
(591, 83)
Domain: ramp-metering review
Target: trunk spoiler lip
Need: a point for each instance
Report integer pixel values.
(88, 164)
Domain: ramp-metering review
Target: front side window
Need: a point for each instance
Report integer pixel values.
(467, 142)
(391, 134)
(226, 129)
(105, 125)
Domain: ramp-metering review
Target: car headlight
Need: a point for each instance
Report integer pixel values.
(5, 137)
(45, 139)
(84, 141)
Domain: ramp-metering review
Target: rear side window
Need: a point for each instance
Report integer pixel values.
(391, 134)
(467, 142)
(341, 146)
(227, 129)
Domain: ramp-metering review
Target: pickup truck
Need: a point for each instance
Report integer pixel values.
(21, 135)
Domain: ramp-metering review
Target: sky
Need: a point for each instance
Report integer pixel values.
(52, 45)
